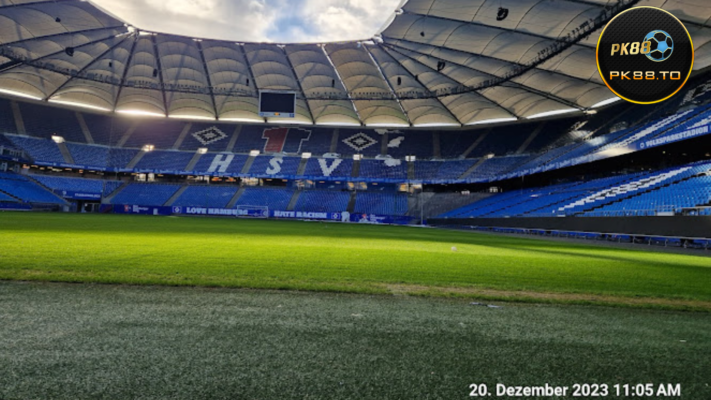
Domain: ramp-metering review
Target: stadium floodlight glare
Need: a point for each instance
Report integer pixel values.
(202, 117)
(552, 113)
(57, 139)
(281, 121)
(140, 113)
(306, 155)
(357, 157)
(410, 158)
(490, 156)
(20, 94)
(388, 125)
(339, 124)
(202, 150)
(436, 125)
(148, 148)
(244, 119)
(493, 121)
(606, 102)
(254, 153)
(76, 104)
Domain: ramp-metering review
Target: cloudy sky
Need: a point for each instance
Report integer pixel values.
(257, 20)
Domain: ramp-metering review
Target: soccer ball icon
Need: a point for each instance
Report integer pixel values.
(662, 45)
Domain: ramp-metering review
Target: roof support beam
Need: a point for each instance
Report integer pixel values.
(343, 84)
(56, 53)
(251, 73)
(160, 73)
(492, 101)
(125, 71)
(56, 35)
(519, 85)
(407, 71)
(387, 82)
(513, 64)
(35, 3)
(543, 37)
(301, 88)
(209, 80)
(85, 68)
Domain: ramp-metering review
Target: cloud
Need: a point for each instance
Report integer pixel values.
(282, 21)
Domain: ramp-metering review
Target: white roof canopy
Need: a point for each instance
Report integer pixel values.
(438, 63)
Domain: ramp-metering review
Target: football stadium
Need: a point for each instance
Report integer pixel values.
(464, 204)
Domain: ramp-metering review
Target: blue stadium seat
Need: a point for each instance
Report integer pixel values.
(164, 160)
(319, 167)
(402, 144)
(381, 203)
(7, 118)
(496, 166)
(161, 133)
(669, 189)
(94, 156)
(44, 121)
(212, 136)
(383, 169)
(80, 185)
(145, 194)
(27, 191)
(107, 130)
(235, 166)
(323, 201)
(206, 196)
(39, 149)
(119, 158)
(111, 186)
(275, 165)
(359, 141)
(274, 198)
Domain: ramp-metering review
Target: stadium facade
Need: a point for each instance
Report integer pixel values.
(454, 112)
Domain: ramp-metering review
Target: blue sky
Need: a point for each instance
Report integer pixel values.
(282, 21)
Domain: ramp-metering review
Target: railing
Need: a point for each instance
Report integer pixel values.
(665, 210)
(648, 240)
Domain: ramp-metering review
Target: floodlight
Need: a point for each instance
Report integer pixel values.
(76, 104)
(148, 148)
(140, 113)
(554, 112)
(306, 155)
(493, 121)
(57, 139)
(202, 150)
(254, 153)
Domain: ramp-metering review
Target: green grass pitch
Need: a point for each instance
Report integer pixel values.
(344, 258)
(75, 342)
(153, 340)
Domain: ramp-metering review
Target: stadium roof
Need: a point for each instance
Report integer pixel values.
(437, 63)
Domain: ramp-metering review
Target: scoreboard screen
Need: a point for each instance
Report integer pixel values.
(277, 104)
